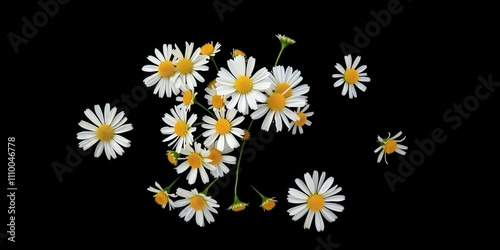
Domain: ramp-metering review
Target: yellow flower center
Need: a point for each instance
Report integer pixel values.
(215, 155)
(238, 207)
(303, 119)
(276, 102)
(243, 84)
(185, 66)
(195, 160)
(238, 52)
(180, 128)
(217, 101)
(172, 159)
(351, 76)
(166, 69)
(222, 126)
(187, 98)
(246, 134)
(207, 49)
(105, 132)
(269, 204)
(390, 146)
(282, 87)
(161, 198)
(197, 202)
(315, 202)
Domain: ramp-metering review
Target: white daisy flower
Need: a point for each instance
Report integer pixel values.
(165, 75)
(351, 76)
(285, 92)
(223, 129)
(298, 124)
(187, 98)
(390, 145)
(162, 196)
(188, 65)
(240, 86)
(196, 204)
(214, 100)
(105, 130)
(196, 159)
(209, 49)
(316, 198)
(220, 159)
(180, 129)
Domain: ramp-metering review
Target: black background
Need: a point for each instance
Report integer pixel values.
(424, 61)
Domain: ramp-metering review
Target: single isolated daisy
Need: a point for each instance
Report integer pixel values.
(390, 145)
(223, 129)
(197, 159)
(303, 120)
(267, 203)
(196, 204)
(104, 130)
(351, 76)
(165, 75)
(220, 159)
(285, 92)
(162, 196)
(242, 88)
(209, 49)
(316, 198)
(188, 65)
(180, 129)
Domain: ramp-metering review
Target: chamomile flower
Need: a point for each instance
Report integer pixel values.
(238, 52)
(104, 130)
(316, 198)
(242, 88)
(238, 205)
(285, 40)
(165, 74)
(285, 92)
(187, 98)
(351, 76)
(197, 160)
(173, 157)
(196, 204)
(298, 124)
(209, 49)
(220, 159)
(162, 196)
(390, 145)
(267, 203)
(223, 129)
(188, 65)
(214, 100)
(180, 129)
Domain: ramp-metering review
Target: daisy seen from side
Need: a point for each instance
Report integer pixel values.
(390, 145)
(219, 159)
(302, 121)
(162, 196)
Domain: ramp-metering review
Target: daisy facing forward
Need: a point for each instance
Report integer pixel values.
(165, 74)
(196, 204)
(302, 121)
(197, 159)
(351, 76)
(390, 145)
(180, 129)
(223, 129)
(162, 196)
(316, 198)
(188, 65)
(105, 130)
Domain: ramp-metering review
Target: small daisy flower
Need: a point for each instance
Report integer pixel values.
(223, 129)
(220, 159)
(351, 76)
(196, 159)
(240, 86)
(180, 129)
(237, 52)
(298, 124)
(316, 198)
(214, 100)
(285, 92)
(267, 203)
(188, 65)
(104, 130)
(209, 49)
(196, 204)
(187, 98)
(237, 205)
(165, 75)
(162, 196)
(390, 145)
(173, 157)
(285, 40)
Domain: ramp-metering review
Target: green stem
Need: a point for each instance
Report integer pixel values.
(167, 189)
(279, 55)
(239, 162)
(205, 108)
(215, 64)
(261, 195)
(209, 185)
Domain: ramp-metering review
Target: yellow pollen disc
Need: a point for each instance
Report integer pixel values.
(185, 66)
(180, 128)
(161, 198)
(243, 84)
(276, 102)
(187, 98)
(246, 134)
(269, 204)
(238, 208)
(197, 202)
(239, 52)
(207, 49)
(211, 84)
(166, 69)
(222, 126)
(351, 76)
(215, 156)
(390, 146)
(316, 202)
(282, 87)
(105, 132)
(217, 101)
(172, 159)
(302, 120)
(195, 160)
